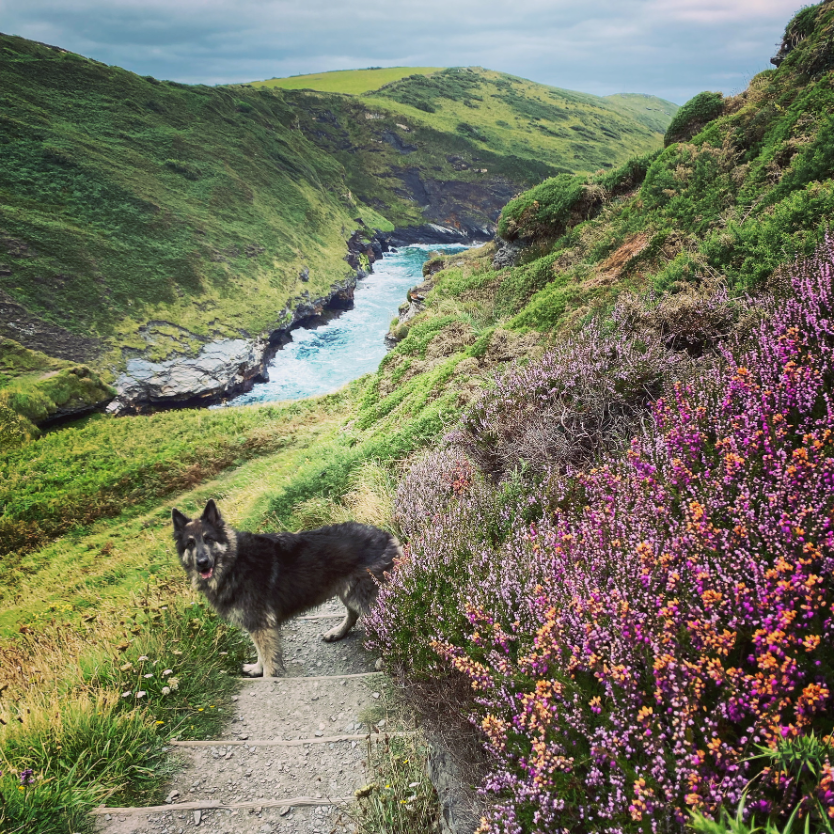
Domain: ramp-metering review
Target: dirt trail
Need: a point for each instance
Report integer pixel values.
(292, 738)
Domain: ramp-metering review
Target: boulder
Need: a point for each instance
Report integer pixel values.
(221, 369)
(507, 255)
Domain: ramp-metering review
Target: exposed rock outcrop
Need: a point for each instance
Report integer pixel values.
(507, 255)
(455, 210)
(360, 246)
(222, 369)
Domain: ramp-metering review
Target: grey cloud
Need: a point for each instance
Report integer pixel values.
(671, 48)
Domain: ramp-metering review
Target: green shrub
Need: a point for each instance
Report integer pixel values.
(15, 429)
(693, 117)
(546, 210)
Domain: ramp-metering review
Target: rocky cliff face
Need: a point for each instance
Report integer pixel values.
(454, 210)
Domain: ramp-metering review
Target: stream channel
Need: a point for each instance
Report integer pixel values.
(323, 357)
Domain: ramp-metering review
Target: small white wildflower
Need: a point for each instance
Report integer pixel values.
(127, 694)
(141, 693)
(166, 690)
(149, 675)
(144, 657)
(174, 683)
(167, 672)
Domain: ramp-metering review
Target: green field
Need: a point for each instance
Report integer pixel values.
(350, 82)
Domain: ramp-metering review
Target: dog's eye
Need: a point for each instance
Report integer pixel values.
(190, 544)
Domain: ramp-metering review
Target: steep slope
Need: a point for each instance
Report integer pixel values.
(137, 213)
(731, 205)
(744, 186)
(624, 545)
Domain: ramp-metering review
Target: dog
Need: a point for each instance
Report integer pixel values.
(259, 581)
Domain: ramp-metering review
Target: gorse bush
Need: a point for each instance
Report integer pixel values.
(634, 634)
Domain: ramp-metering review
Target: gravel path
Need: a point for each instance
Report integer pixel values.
(247, 768)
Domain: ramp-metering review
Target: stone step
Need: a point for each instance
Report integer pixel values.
(215, 805)
(306, 678)
(328, 771)
(293, 754)
(292, 708)
(251, 819)
(306, 654)
(300, 742)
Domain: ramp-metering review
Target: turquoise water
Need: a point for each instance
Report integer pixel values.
(323, 359)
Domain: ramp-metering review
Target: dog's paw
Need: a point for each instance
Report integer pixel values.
(333, 635)
(252, 670)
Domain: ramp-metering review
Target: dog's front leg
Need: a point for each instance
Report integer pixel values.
(270, 660)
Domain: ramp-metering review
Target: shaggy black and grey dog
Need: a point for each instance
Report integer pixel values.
(258, 581)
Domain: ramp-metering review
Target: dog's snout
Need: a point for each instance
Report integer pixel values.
(203, 561)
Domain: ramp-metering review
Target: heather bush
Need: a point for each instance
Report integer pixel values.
(587, 395)
(637, 634)
(696, 319)
(425, 491)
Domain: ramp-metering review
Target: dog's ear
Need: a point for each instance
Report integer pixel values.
(211, 515)
(179, 520)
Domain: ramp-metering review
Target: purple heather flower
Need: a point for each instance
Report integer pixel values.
(669, 609)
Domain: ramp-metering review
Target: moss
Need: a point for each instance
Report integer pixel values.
(69, 390)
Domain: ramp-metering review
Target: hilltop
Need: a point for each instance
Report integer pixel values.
(349, 82)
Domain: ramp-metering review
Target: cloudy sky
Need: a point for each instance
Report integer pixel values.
(670, 48)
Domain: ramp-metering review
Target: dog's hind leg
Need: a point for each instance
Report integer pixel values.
(358, 596)
(343, 628)
(270, 660)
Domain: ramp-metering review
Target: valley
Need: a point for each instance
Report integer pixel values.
(147, 220)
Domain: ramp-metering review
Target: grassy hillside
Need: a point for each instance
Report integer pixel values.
(349, 82)
(496, 118)
(505, 114)
(137, 212)
(653, 112)
(566, 129)
(146, 217)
